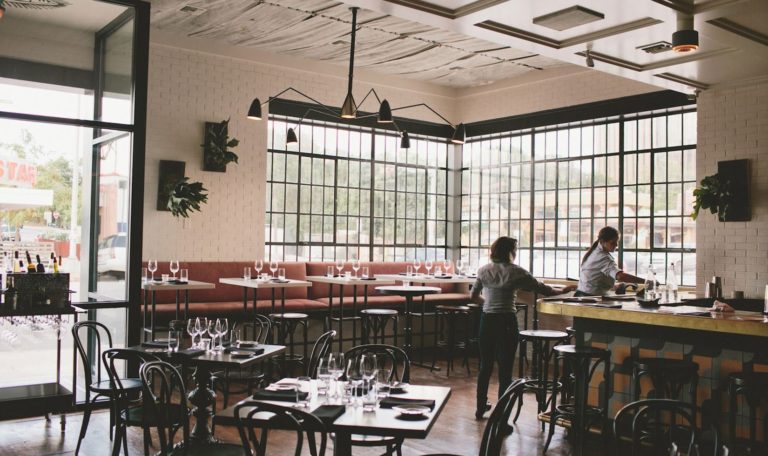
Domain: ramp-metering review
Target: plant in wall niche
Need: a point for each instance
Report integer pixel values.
(714, 193)
(217, 145)
(185, 197)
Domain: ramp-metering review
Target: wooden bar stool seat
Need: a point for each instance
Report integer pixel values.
(374, 324)
(287, 323)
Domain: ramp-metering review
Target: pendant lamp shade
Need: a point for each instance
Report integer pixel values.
(385, 112)
(349, 108)
(459, 134)
(405, 140)
(291, 137)
(254, 112)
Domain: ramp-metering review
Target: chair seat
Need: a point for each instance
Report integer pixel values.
(135, 416)
(379, 312)
(105, 387)
(214, 449)
(581, 352)
(452, 308)
(289, 316)
(544, 334)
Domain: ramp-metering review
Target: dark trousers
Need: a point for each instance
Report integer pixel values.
(498, 342)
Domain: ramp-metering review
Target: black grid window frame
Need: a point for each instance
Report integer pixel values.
(534, 249)
(405, 163)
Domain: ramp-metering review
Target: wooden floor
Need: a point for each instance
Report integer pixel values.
(456, 430)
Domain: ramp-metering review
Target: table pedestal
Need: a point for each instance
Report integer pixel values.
(203, 398)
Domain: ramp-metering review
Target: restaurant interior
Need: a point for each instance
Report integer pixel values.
(224, 220)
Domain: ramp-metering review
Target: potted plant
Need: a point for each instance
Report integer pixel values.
(217, 147)
(185, 197)
(714, 194)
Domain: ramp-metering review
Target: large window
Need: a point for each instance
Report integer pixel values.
(346, 192)
(554, 187)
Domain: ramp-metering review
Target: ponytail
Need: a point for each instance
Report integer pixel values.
(607, 233)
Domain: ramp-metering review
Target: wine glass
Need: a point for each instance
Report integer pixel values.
(368, 366)
(273, 267)
(211, 328)
(152, 266)
(191, 330)
(340, 266)
(354, 381)
(416, 265)
(355, 265)
(428, 265)
(224, 331)
(198, 330)
(323, 376)
(174, 267)
(258, 265)
(459, 266)
(446, 265)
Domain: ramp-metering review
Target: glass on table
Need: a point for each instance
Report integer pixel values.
(144, 275)
(303, 392)
(446, 265)
(323, 377)
(273, 267)
(174, 336)
(234, 336)
(174, 267)
(281, 273)
(258, 265)
(340, 266)
(370, 395)
(152, 266)
(365, 274)
(165, 277)
(247, 273)
(409, 271)
(330, 272)
(416, 265)
(383, 382)
(355, 265)
(184, 275)
(428, 266)
(191, 330)
(438, 272)
(459, 267)
(205, 344)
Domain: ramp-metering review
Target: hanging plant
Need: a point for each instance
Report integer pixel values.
(714, 194)
(217, 145)
(186, 197)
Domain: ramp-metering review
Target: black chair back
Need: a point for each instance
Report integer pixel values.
(659, 426)
(111, 358)
(387, 355)
(258, 329)
(165, 397)
(91, 337)
(319, 350)
(497, 428)
(278, 417)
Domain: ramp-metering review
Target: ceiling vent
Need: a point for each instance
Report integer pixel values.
(656, 48)
(568, 18)
(194, 10)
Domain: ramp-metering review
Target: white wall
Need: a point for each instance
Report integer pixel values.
(188, 88)
(733, 124)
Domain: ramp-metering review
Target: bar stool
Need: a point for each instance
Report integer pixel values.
(668, 376)
(475, 312)
(374, 325)
(447, 318)
(583, 361)
(754, 387)
(522, 358)
(286, 324)
(541, 340)
(423, 314)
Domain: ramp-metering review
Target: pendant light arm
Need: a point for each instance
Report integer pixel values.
(291, 89)
(428, 107)
(352, 49)
(372, 91)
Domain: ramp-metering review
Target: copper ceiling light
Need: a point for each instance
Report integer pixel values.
(685, 39)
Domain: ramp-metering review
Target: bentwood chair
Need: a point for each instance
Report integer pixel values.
(319, 350)
(660, 426)
(280, 417)
(129, 411)
(165, 399)
(91, 339)
(400, 369)
(243, 381)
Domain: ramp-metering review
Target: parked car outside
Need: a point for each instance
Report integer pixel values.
(9, 233)
(113, 254)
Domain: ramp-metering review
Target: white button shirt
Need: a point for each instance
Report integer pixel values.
(598, 274)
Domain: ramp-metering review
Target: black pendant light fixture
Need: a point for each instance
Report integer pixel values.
(2, 9)
(685, 39)
(349, 108)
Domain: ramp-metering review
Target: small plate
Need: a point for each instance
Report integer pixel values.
(248, 344)
(155, 350)
(241, 354)
(398, 388)
(411, 410)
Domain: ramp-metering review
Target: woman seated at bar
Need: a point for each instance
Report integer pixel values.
(500, 281)
(599, 272)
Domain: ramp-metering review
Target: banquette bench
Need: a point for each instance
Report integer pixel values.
(227, 300)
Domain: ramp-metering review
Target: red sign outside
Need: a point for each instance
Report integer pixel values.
(17, 173)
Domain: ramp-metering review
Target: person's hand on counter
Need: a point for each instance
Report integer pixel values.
(564, 290)
(719, 306)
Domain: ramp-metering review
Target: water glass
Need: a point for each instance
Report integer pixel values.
(234, 337)
(438, 272)
(323, 377)
(205, 344)
(383, 383)
(329, 272)
(370, 396)
(165, 277)
(174, 337)
(303, 392)
(247, 273)
(409, 270)
(365, 272)
(281, 273)
(347, 275)
(184, 275)
(144, 275)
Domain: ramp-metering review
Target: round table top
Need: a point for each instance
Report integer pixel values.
(543, 334)
(408, 291)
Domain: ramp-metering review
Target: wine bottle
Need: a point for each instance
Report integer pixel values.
(10, 293)
(30, 265)
(40, 266)
(55, 264)
(16, 261)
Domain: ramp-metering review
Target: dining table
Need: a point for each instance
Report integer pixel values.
(153, 286)
(202, 397)
(271, 284)
(341, 282)
(386, 422)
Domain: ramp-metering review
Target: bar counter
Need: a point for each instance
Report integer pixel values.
(721, 343)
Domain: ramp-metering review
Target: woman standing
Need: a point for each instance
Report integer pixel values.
(599, 271)
(499, 282)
